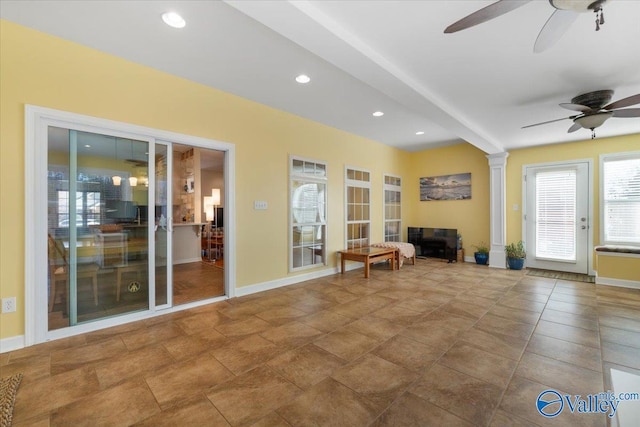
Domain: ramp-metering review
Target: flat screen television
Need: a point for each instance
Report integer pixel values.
(434, 242)
(219, 221)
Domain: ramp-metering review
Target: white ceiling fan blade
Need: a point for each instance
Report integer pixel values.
(575, 107)
(628, 112)
(555, 27)
(574, 127)
(485, 14)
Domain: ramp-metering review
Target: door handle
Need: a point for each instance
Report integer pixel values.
(584, 227)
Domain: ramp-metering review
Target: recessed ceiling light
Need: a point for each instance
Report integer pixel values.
(378, 114)
(174, 20)
(303, 78)
(87, 146)
(419, 133)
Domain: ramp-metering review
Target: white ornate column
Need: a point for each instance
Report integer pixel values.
(498, 209)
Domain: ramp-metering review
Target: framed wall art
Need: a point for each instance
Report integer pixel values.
(446, 187)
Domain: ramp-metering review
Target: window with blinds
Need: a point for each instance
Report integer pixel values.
(620, 195)
(556, 214)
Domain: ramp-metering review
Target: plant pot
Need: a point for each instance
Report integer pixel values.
(515, 263)
(481, 258)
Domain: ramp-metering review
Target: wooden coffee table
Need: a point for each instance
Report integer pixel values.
(368, 256)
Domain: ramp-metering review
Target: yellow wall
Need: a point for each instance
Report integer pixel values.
(43, 70)
(618, 267)
(470, 217)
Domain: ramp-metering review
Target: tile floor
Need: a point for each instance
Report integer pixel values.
(432, 344)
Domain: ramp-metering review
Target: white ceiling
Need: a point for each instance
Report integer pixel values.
(480, 85)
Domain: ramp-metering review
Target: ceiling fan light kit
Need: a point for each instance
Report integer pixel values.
(594, 107)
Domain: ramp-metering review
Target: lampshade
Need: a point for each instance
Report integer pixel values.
(593, 121)
(215, 195)
(208, 207)
(116, 180)
(133, 181)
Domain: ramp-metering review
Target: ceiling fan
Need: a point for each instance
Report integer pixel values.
(594, 112)
(565, 13)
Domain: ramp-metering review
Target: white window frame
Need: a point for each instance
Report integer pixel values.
(355, 183)
(319, 222)
(396, 188)
(603, 203)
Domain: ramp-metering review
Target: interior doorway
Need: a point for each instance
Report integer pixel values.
(198, 199)
(558, 216)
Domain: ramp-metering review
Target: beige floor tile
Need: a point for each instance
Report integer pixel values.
(465, 396)
(184, 380)
(124, 404)
(409, 410)
(499, 344)
(575, 354)
(281, 315)
(379, 329)
(199, 321)
(76, 357)
(408, 353)
(39, 397)
(325, 320)
(195, 412)
(439, 338)
(620, 336)
(252, 395)
(559, 375)
(346, 344)
(151, 335)
(570, 319)
(187, 346)
(620, 354)
(480, 364)
(293, 334)
(376, 379)
(569, 333)
(136, 364)
(271, 420)
(306, 365)
(247, 326)
(515, 314)
(329, 404)
(247, 353)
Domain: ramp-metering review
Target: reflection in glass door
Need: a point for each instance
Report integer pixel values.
(97, 197)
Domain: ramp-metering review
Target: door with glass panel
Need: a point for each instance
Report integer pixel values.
(97, 226)
(557, 217)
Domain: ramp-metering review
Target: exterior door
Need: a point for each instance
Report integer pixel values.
(557, 218)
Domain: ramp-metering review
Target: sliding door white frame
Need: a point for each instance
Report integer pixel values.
(37, 121)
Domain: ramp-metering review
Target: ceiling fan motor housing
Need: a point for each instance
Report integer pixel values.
(594, 100)
(578, 5)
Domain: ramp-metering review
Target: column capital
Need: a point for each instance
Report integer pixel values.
(498, 159)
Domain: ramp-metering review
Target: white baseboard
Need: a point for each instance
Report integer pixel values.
(608, 281)
(286, 281)
(11, 343)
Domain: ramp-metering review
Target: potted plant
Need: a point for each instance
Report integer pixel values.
(515, 255)
(481, 254)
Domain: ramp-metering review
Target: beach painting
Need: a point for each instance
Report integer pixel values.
(446, 187)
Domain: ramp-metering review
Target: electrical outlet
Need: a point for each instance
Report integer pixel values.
(9, 305)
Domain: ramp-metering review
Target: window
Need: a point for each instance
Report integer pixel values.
(620, 195)
(87, 208)
(358, 187)
(308, 213)
(392, 208)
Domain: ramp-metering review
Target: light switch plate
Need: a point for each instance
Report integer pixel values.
(259, 205)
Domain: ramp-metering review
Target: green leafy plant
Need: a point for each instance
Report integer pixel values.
(515, 250)
(482, 248)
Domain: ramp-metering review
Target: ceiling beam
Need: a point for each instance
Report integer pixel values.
(309, 27)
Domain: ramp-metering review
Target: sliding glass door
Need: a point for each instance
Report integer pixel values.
(97, 226)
